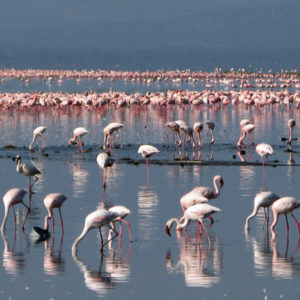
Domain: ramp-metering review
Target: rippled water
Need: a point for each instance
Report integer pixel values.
(154, 265)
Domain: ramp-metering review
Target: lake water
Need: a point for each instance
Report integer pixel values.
(154, 266)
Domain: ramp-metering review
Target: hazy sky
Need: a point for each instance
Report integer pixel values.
(135, 34)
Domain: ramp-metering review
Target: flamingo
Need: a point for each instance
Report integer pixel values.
(27, 170)
(187, 130)
(96, 219)
(196, 212)
(38, 132)
(54, 200)
(202, 194)
(246, 129)
(291, 124)
(146, 151)
(108, 132)
(264, 149)
(284, 206)
(211, 126)
(263, 199)
(11, 198)
(104, 160)
(173, 126)
(121, 212)
(198, 126)
(78, 133)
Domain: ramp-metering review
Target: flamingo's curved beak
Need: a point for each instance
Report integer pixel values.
(168, 231)
(221, 182)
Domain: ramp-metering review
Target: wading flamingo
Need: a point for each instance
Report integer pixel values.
(196, 212)
(198, 126)
(108, 133)
(54, 200)
(96, 219)
(199, 194)
(38, 132)
(291, 124)
(78, 133)
(121, 213)
(263, 199)
(11, 198)
(146, 151)
(174, 127)
(211, 126)
(27, 170)
(104, 160)
(246, 130)
(264, 149)
(284, 206)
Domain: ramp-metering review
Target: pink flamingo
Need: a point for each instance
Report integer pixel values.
(121, 213)
(54, 200)
(104, 160)
(38, 132)
(198, 128)
(27, 170)
(173, 126)
(263, 199)
(146, 151)
(245, 130)
(78, 133)
(264, 149)
(108, 132)
(211, 126)
(196, 212)
(284, 206)
(96, 219)
(11, 198)
(202, 194)
(291, 124)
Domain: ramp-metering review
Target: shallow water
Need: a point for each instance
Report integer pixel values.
(154, 265)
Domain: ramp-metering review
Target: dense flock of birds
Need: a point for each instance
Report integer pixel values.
(257, 89)
(195, 204)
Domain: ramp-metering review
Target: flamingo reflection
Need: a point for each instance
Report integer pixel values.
(267, 259)
(13, 261)
(147, 208)
(80, 177)
(96, 280)
(201, 265)
(54, 263)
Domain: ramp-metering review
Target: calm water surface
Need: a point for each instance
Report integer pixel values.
(154, 265)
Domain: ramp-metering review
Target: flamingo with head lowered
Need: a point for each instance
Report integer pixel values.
(202, 194)
(38, 132)
(78, 133)
(10, 199)
(196, 212)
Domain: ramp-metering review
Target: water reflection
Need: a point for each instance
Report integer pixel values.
(247, 180)
(113, 270)
(201, 264)
(54, 263)
(147, 207)
(13, 261)
(80, 178)
(268, 260)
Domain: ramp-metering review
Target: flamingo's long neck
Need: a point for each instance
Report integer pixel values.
(217, 189)
(251, 216)
(85, 230)
(275, 220)
(5, 218)
(33, 140)
(199, 138)
(179, 225)
(242, 136)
